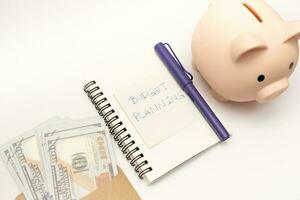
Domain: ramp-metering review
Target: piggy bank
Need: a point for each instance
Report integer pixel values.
(245, 51)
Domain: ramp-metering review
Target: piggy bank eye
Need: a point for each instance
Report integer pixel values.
(291, 66)
(261, 78)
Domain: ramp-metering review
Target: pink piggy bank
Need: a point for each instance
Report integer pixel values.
(245, 51)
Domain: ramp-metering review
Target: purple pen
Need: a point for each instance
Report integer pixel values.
(185, 80)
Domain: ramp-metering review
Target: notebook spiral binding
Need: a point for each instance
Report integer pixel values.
(117, 129)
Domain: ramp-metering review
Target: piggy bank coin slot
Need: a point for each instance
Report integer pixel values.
(253, 12)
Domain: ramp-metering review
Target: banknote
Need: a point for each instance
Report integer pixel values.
(27, 163)
(79, 161)
(58, 128)
(65, 125)
(10, 162)
(27, 158)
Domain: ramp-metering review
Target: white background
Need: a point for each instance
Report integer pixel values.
(49, 49)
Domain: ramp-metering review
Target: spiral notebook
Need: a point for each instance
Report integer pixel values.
(154, 122)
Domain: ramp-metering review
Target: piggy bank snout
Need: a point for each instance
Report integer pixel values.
(272, 90)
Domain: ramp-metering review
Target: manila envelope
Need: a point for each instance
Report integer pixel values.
(117, 189)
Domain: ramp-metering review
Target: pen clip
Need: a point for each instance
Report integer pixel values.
(174, 55)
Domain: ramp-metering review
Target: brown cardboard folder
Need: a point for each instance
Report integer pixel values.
(118, 189)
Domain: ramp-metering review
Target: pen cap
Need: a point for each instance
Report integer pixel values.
(173, 65)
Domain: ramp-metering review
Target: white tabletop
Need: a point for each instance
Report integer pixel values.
(49, 49)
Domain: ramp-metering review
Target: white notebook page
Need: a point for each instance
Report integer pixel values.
(155, 107)
(167, 126)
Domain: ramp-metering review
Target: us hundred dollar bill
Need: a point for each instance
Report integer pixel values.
(27, 156)
(10, 162)
(79, 161)
(58, 128)
(66, 125)
(21, 157)
(25, 150)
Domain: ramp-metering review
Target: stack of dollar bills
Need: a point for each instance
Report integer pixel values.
(61, 159)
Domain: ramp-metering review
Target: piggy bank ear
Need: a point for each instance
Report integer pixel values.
(245, 44)
(293, 31)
